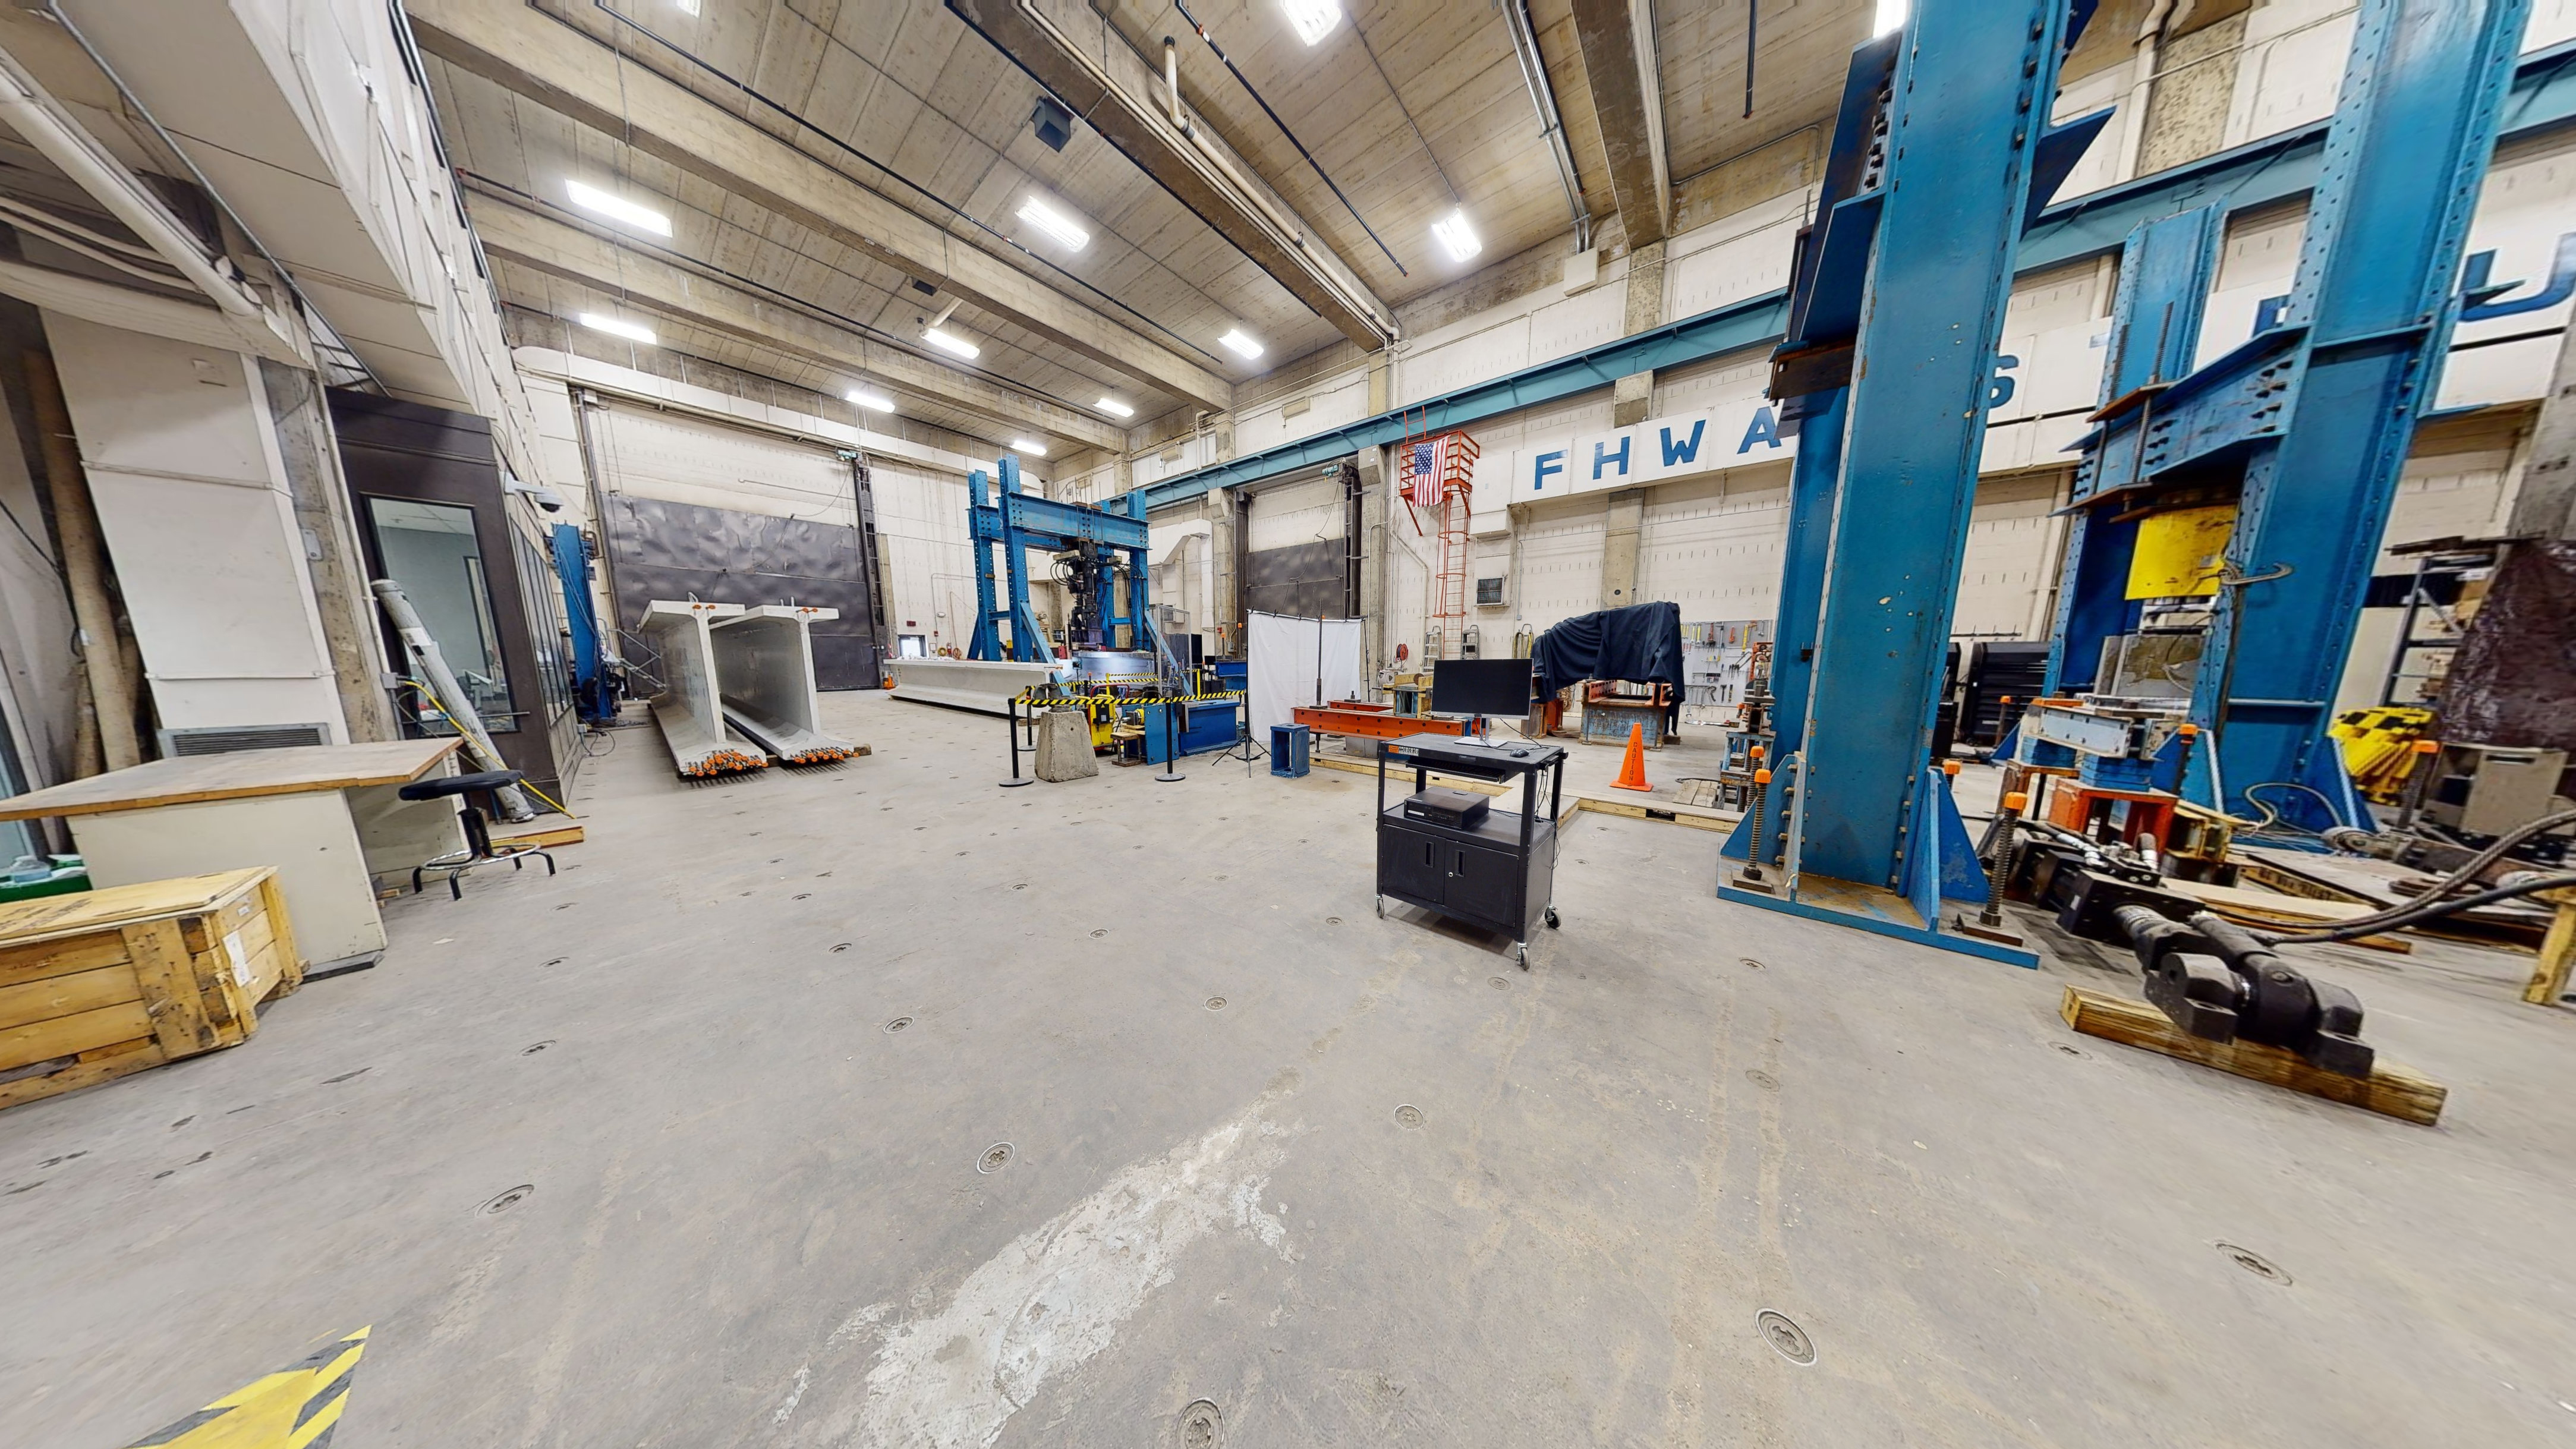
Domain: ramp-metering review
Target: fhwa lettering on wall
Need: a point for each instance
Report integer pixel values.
(1731, 435)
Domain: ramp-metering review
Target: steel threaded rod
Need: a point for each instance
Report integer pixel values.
(1761, 787)
(2007, 855)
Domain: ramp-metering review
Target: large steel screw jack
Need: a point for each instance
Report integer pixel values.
(1999, 873)
(1761, 788)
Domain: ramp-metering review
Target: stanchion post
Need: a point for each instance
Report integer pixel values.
(1011, 721)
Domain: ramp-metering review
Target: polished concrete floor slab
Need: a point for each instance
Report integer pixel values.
(879, 1106)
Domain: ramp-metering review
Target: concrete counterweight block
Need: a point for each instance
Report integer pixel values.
(764, 663)
(1064, 746)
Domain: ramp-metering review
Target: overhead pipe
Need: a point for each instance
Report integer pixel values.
(1181, 122)
(2150, 45)
(1551, 122)
(36, 116)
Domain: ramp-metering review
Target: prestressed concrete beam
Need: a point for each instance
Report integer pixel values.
(1065, 47)
(1616, 57)
(674, 287)
(566, 70)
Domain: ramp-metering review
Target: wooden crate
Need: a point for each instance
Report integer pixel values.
(106, 982)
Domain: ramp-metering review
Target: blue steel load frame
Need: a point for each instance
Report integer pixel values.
(2310, 421)
(1114, 543)
(1935, 172)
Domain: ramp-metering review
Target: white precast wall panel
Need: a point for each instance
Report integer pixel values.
(182, 460)
(2011, 559)
(921, 533)
(1295, 513)
(1561, 548)
(1713, 545)
(680, 459)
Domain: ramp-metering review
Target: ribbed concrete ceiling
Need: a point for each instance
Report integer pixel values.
(1415, 107)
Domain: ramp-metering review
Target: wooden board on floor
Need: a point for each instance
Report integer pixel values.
(2264, 908)
(2390, 1090)
(540, 833)
(1647, 807)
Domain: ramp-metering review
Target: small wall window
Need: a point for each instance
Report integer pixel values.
(429, 549)
(912, 646)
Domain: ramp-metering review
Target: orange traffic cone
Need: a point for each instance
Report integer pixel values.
(1632, 770)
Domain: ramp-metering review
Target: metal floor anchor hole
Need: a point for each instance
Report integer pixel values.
(1763, 1079)
(2255, 1263)
(1498, 983)
(1756, 965)
(541, 1046)
(1786, 1339)
(1408, 1115)
(1216, 1003)
(1202, 1426)
(995, 1158)
(898, 1024)
(509, 1199)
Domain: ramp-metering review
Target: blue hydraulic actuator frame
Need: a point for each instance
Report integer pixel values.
(1936, 170)
(1017, 522)
(2307, 424)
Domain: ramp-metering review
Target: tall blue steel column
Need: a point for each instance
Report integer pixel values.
(1931, 186)
(2311, 419)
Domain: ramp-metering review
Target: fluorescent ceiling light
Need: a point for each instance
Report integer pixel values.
(687, 7)
(1313, 19)
(1023, 445)
(1891, 16)
(631, 331)
(618, 208)
(1455, 234)
(872, 401)
(1241, 345)
(1115, 408)
(1054, 223)
(951, 342)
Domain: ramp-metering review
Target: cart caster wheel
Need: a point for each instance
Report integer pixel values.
(1524, 958)
(1381, 908)
(1551, 918)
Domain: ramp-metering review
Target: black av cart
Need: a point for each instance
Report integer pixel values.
(1448, 851)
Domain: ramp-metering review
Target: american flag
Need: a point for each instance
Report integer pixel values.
(1429, 463)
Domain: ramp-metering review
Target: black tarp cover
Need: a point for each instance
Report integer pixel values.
(1641, 644)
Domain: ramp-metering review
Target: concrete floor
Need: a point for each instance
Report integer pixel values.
(757, 1214)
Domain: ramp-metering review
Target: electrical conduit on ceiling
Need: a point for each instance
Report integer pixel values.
(1172, 79)
(800, 304)
(1004, 238)
(1334, 275)
(1551, 123)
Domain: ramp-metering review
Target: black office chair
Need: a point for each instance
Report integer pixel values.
(478, 837)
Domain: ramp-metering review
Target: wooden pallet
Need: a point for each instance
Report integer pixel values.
(2390, 1090)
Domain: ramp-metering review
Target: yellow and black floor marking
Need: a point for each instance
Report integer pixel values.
(296, 1407)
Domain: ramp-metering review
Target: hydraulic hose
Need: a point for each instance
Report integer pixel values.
(2420, 912)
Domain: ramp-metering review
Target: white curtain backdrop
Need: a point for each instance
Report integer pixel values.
(1296, 661)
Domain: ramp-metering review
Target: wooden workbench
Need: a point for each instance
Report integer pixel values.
(326, 816)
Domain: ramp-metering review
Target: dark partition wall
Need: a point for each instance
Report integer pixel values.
(431, 514)
(1309, 580)
(661, 550)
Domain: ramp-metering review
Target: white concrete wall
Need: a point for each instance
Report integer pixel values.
(182, 460)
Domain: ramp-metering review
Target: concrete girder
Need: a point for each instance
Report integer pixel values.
(1105, 83)
(658, 281)
(1618, 53)
(566, 70)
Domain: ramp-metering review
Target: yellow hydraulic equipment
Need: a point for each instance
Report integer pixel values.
(2379, 748)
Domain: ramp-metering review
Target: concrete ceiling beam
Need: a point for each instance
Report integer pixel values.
(1110, 87)
(682, 290)
(1627, 103)
(565, 70)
